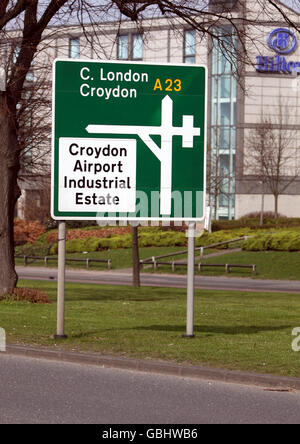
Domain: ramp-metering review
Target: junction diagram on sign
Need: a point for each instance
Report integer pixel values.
(166, 131)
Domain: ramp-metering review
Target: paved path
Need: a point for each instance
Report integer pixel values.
(119, 277)
(41, 391)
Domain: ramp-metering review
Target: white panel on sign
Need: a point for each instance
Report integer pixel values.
(98, 175)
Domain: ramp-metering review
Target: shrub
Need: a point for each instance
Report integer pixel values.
(162, 239)
(280, 241)
(257, 243)
(50, 223)
(28, 294)
(293, 243)
(75, 245)
(154, 238)
(25, 232)
(53, 249)
(218, 225)
(256, 215)
(33, 250)
(105, 243)
(252, 220)
(221, 236)
(80, 245)
(51, 237)
(42, 239)
(118, 242)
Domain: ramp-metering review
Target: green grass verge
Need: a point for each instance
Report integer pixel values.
(270, 265)
(235, 330)
(121, 258)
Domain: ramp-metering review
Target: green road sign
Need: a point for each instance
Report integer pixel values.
(128, 141)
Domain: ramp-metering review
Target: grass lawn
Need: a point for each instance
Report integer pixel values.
(270, 265)
(234, 330)
(121, 258)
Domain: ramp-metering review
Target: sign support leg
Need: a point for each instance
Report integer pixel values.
(61, 281)
(190, 282)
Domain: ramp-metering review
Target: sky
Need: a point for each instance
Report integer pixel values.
(112, 14)
(293, 4)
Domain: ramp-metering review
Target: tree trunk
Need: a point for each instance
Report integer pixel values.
(9, 193)
(276, 206)
(261, 222)
(135, 258)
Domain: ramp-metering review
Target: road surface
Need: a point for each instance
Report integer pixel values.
(40, 391)
(119, 277)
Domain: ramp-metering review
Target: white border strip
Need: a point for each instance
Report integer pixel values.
(128, 62)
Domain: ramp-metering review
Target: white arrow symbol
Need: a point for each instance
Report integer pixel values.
(164, 154)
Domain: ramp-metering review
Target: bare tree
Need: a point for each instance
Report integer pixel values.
(33, 117)
(34, 130)
(27, 20)
(272, 154)
(219, 179)
(258, 144)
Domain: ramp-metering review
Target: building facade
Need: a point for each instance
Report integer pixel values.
(253, 101)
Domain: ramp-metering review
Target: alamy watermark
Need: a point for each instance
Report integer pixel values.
(186, 206)
(296, 342)
(2, 340)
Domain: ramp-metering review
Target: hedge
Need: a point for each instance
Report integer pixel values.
(162, 239)
(151, 239)
(280, 241)
(254, 223)
(27, 231)
(283, 240)
(221, 236)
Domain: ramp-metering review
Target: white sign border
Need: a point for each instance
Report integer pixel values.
(127, 218)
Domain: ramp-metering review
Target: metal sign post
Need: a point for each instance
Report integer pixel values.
(60, 333)
(190, 282)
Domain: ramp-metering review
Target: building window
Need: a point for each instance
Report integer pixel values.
(130, 47)
(137, 47)
(189, 53)
(223, 128)
(74, 48)
(123, 47)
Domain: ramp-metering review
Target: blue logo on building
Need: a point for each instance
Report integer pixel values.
(282, 41)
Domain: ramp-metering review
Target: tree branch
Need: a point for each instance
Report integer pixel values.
(11, 13)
